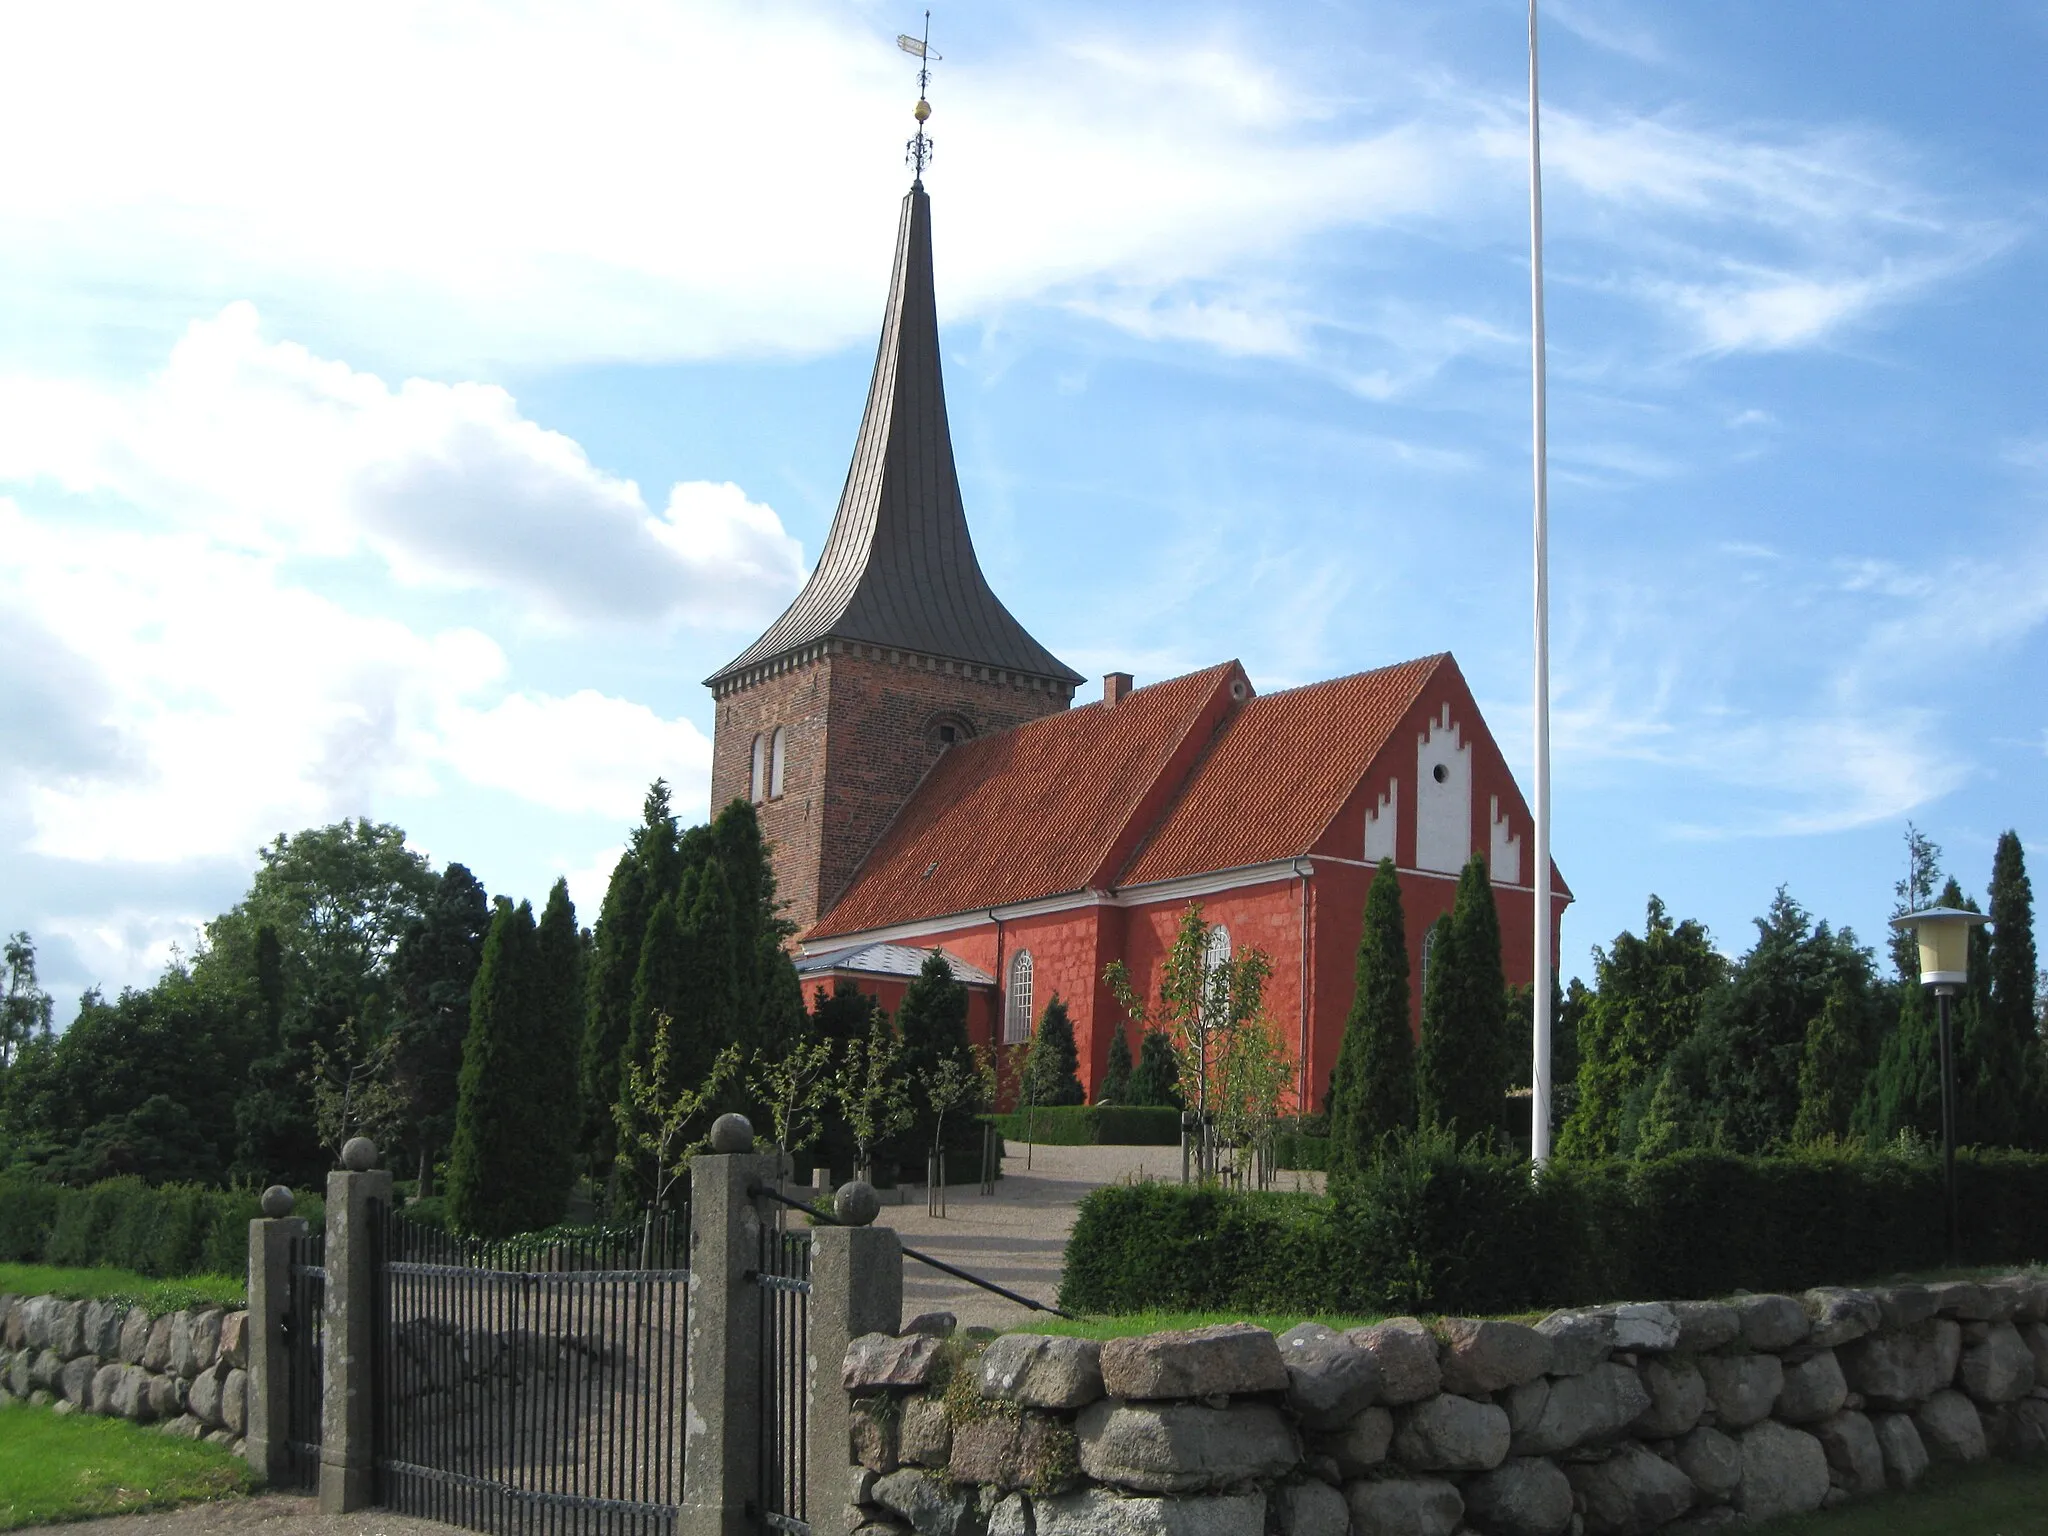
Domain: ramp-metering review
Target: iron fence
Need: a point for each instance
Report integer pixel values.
(536, 1385)
(783, 1278)
(304, 1327)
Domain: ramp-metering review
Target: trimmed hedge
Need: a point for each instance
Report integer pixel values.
(163, 1231)
(1309, 1154)
(1096, 1125)
(1429, 1229)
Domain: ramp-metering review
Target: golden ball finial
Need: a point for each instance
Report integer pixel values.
(923, 109)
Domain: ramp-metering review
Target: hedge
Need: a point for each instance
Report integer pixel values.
(163, 1231)
(1428, 1229)
(1095, 1125)
(1293, 1150)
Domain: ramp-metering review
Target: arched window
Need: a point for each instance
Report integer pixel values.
(1017, 1021)
(1217, 954)
(757, 784)
(776, 756)
(1428, 946)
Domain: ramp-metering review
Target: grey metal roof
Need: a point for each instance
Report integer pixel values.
(898, 568)
(888, 960)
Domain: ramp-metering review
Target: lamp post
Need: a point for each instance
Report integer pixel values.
(1943, 937)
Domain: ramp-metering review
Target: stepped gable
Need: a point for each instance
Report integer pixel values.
(898, 568)
(1048, 808)
(1279, 775)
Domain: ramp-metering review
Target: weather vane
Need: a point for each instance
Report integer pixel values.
(918, 152)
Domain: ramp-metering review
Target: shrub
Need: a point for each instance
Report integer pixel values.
(1429, 1226)
(161, 1231)
(1095, 1125)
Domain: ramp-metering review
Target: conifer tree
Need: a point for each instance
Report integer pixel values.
(1483, 1004)
(2007, 1052)
(431, 972)
(1372, 1089)
(1116, 1078)
(645, 873)
(1832, 1070)
(555, 1123)
(932, 1024)
(1441, 1097)
(1052, 1070)
(1157, 1078)
(498, 1182)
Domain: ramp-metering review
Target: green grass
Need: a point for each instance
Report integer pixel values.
(124, 1285)
(76, 1467)
(1991, 1499)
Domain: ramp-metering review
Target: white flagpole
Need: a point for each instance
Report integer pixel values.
(1539, 1099)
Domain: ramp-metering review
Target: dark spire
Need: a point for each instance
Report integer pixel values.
(898, 568)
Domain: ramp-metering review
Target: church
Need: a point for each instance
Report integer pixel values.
(926, 779)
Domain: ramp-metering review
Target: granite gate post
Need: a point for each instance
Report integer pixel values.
(856, 1289)
(356, 1200)
(270, 1251)
(722, 1427)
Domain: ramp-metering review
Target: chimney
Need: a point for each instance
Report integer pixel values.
(1115, 687)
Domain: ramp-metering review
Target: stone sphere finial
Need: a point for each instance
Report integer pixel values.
(277, 1202)
(732, 1133)
(359, 1154)
(857, 1204)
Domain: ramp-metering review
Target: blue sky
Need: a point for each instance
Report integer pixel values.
(402, 417)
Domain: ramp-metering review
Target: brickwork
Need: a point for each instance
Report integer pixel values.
(862, 724)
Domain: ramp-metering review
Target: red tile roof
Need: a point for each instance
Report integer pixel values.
(1049, 807)
(1280, 773)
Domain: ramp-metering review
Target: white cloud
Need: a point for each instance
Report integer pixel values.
(585, 753)
(265, 447)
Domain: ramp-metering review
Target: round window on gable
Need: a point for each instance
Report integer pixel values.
(1440, 773)
(1238, 690)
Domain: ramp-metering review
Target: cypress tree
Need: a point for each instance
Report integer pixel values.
(645, 873)
(2007, 1052)
(1441, 1097)
(1157, 1079)
(555, 1122)
(1904, 1090)
(846, 1013)
(1053, 1069)
(432, 972)
(1116, 1079)
(1831, 1070)
(1483, 1003)
(768, 1008)
(497, 1184)
(1372, 1089)
(932, 1023)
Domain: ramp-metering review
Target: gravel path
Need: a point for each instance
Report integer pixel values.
(268, 1514)
(1018, 1236)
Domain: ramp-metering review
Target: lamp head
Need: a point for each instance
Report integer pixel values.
(1943, 934)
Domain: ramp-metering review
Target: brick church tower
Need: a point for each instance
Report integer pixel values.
(896, 648)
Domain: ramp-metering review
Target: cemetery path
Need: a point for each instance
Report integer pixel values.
(265, 1514)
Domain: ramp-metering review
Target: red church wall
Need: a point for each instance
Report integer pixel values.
(1069, 949)
(889, 990)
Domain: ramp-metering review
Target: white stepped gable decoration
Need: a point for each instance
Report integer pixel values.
(1380, 822)
(1504, 854)
(1443, 798)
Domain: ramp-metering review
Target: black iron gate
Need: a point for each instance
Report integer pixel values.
(784, 1281)
(535, 1385)
(305, 1303)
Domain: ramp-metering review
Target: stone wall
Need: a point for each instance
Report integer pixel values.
(1608, 1421)
(185, 1371)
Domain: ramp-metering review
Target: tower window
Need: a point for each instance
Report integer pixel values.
(777, 755)
(1017, 1020)
(757, 783)
(947, 729)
